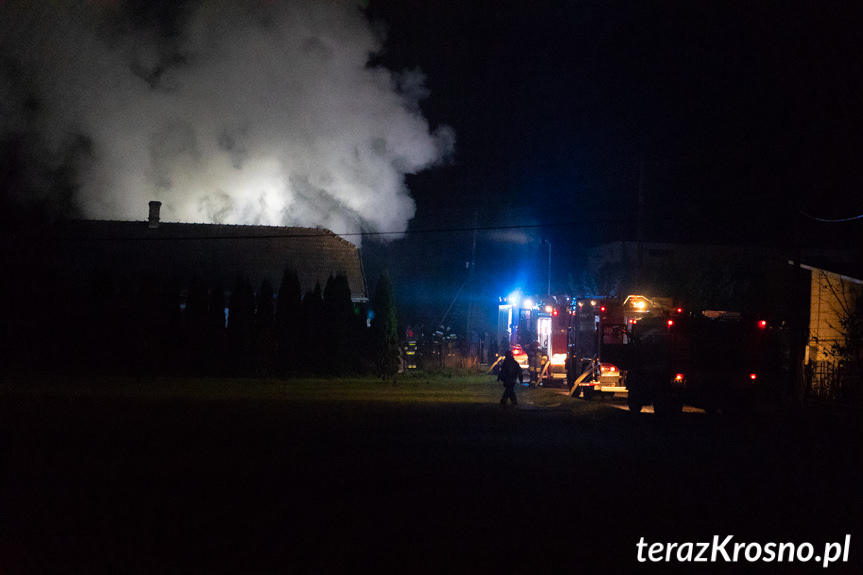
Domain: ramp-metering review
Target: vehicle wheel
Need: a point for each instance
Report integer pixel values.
(587, 392)
(634, 404)
(667, 407)
(735, 408)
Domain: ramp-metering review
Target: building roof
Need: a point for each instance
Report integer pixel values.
(836, 274)
(842, 261)
(213, 253)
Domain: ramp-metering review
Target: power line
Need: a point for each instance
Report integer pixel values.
(312, 233)
(300, 233)
(817, 219)
(488, 228)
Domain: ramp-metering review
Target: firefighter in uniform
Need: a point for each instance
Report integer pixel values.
(534, 359)
(510, 370)
(571, 367)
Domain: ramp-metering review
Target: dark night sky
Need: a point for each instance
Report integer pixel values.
(735, 115)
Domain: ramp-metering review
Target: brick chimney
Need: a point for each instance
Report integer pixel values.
(154, 214)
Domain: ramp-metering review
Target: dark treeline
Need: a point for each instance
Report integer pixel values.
(148, 327)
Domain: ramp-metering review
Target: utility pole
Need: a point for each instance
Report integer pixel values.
(548, 285)
(798, 323)
(471, 290)
(640, 263)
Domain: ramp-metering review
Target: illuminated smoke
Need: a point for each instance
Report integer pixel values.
(227, 112)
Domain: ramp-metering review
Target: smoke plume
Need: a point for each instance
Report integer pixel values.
(228, 112)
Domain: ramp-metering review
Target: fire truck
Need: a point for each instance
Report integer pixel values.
(715, 360)
(645, 348)
(545, 319)
(660, 354)
(574, 334)
(599, 328)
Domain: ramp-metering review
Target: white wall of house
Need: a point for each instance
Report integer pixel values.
(831, 296)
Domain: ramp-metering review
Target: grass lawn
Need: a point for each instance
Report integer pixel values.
(415, 388)
(183, 475)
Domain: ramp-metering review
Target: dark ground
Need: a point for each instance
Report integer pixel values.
(98, 484)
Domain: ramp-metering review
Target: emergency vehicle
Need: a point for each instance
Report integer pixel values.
(715, 360)
(599, 326)
(573, 334)
(645, 348)
(545, 319)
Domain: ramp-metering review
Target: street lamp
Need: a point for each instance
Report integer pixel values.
(548, 243)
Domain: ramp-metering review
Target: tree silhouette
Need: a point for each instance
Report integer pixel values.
(265, 335)
(311, 345)
(241, 321)
(216, 329)
(384, 330)
(289, 302)
(338, 315)
(195, 326)
(147, 307)
(264, 316)
(170, 324)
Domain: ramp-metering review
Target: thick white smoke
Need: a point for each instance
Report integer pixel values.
(242, 113)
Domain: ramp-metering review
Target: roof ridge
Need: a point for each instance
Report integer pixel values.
(164, 223)
(210, 229)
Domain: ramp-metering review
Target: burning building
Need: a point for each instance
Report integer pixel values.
(210, 253)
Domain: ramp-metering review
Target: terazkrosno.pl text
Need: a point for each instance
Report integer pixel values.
(729, 551)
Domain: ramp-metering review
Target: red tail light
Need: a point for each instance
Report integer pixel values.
(678, 376)
(670, 322)
(753, 376)
(762, 324)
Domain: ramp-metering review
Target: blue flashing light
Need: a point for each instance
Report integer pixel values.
(513, 298)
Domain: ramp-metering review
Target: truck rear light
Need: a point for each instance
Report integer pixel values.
(678, 377)
(753, 376)
(762, 324)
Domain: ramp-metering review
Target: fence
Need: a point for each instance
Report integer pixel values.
(835, 380)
